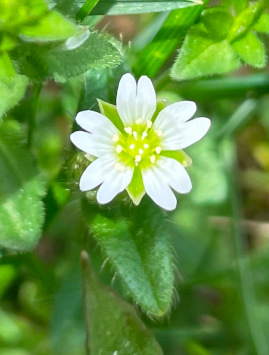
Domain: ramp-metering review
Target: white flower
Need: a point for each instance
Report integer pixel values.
(134, 151)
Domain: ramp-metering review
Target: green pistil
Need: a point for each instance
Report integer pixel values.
(139, 146)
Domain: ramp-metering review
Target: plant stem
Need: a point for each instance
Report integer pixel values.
(85, 270)
(32, 115)
(245, 280)
(86, 9)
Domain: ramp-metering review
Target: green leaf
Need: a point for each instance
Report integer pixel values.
(52, 27)
(111, 112)
(180, 156)
(116, 7)
(21, 191)
(17, 13)
(217, 21)
(41, 62)
(201, 55)
(262, 25)
(12, 85)
(251, 50)
(112, 324)
(138, 247)
(155, 54)
(85, 9)
(245, 20)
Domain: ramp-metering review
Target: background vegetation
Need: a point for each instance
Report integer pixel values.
(192, 282)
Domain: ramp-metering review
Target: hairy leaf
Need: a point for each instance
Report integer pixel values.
(201, 55)
(138, 247)
(12, 85)
(262, 25)
(217, 21)
(251, 50)
(52, 27)
(41, 62)
(21, 191)
(113, 326)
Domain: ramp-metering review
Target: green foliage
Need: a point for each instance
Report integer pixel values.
(251, 50)
(154, 55)
(21, 192)
(127, 335)
(41, 62)
(262, 25)
(147, 268)
(202, 55)
(215, 45)
(12, 85)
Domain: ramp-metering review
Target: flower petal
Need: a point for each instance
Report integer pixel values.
(135, 101)
(96, 172)
(95, 122)
(145, 99)
(92, 144)
(114, 183)
(186, 134)
(160, 177)
(174, 114)
(126, 99)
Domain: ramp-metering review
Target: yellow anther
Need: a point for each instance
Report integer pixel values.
(132, 146)
(138, 121)
(149, 123)
(144, 135)
(140, 151)
(158, 150)
(119, 167)
(135, 135)
(138, 158)
(115, 138)
(119, 148)
(146, 146)
(128, 130)
(152, 159)
(159, 132)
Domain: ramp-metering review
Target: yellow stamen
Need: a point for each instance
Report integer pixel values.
(132, 146)
(159, 132)
(115, 138)
(128, 130)
(146, 146)
(135, 135)
(144, 135)
(138, 121)
(158, 150)
(138, 158)
(119, 148)
(152, 159)
(149, 123)
(140, 151)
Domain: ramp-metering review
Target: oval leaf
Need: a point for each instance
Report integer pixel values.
(21, 192)
(139, 249)
(113, 326)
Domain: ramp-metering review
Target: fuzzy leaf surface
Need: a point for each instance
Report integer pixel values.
(201, 55)
(139, 250)
(21, 192)
(251, 50)
(42, 62)
(113, 326)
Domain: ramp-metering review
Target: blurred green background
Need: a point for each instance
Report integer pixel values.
(219, 232)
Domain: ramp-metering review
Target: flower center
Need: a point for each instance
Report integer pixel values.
(138, 146)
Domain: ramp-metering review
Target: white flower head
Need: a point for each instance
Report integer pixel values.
(138, 145)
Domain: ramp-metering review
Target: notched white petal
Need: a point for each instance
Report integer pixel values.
(173, 115)
(96, 172)
(145, 99)
(125, 99)
(115, 182)
(95, 122)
